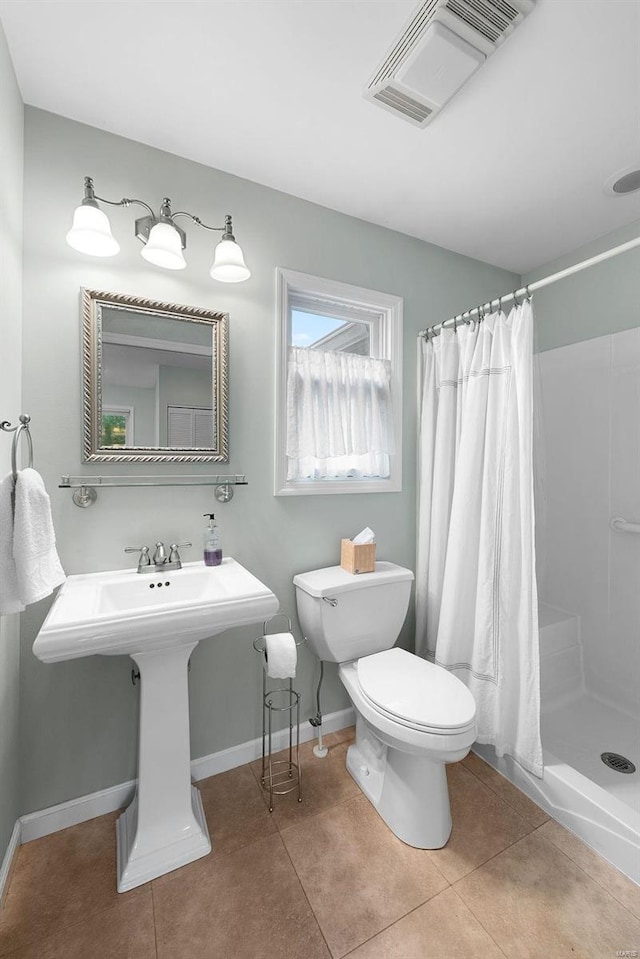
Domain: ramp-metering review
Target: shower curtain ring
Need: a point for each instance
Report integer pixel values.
(529, 296)
(499, 304)
(515, 298)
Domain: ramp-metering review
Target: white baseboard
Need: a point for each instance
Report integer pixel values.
(65, 814)
(37, 824)
(246, 752)
(5, 868)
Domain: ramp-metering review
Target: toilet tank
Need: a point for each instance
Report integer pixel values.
(344, 617)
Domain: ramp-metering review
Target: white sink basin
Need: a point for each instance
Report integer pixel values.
(122, 612)
(158, 619)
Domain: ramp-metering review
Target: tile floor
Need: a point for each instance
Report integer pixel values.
(325, 879)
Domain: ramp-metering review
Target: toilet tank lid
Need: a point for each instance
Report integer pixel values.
(334, 579)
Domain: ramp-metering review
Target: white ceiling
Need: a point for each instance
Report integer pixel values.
(511, 172)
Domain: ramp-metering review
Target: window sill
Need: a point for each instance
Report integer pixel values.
(327, 487)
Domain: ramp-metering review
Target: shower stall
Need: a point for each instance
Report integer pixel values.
(588, 555)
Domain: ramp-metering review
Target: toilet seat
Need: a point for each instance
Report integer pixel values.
(415, 693)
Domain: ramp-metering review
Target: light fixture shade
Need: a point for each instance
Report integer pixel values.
(228, 262)
(164, 247)
(91, 232)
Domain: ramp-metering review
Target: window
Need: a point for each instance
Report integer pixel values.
(338, 388)
(117, 426)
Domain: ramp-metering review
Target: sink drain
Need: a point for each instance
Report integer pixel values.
(620, 763)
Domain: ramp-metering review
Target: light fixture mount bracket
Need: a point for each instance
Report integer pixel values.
(145, 224)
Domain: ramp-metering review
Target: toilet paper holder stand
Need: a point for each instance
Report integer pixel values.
(279, 776)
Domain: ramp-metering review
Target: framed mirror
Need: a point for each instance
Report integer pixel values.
(155, 381)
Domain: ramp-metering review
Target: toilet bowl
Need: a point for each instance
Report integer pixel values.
(412, 717)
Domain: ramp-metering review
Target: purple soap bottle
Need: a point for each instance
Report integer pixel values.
(212, 545)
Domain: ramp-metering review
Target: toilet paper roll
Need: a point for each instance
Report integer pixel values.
(281, 655)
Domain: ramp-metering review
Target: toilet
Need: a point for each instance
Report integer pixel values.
(412, 716)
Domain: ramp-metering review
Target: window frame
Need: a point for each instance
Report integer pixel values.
(128, 412)
(383, 311)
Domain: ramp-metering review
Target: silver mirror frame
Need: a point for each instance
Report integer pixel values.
(92, 303)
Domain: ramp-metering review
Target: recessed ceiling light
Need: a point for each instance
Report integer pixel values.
(623, 182)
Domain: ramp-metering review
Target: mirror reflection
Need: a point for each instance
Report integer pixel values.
(155, 381)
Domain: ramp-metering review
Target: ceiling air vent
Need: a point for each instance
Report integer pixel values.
(441, 47)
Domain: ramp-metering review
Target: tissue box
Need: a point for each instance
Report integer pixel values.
(357, 559)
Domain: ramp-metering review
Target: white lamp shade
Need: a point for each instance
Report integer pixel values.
(91, 232)
(228, 263)
(164, 247)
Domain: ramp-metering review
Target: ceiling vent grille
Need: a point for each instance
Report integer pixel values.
(401, 103)
(486, 18)
(440, 48)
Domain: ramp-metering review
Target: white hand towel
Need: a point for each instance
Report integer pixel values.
(9, 595)
(281, 655)
(34, 541)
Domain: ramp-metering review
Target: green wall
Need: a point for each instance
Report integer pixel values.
(79, 719)
(603, 299)
(11, 164)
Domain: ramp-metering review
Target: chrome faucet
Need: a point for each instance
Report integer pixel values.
(160, 555)
(161, 563)
(144, 561)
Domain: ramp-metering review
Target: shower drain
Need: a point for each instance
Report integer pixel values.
(620, 763)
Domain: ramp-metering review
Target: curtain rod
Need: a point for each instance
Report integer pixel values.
(527, 290)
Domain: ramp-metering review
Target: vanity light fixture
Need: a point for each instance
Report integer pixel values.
(163, 240)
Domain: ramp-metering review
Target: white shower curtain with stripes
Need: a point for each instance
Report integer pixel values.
(476, 597)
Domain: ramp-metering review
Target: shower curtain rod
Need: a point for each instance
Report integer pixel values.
(527, 290)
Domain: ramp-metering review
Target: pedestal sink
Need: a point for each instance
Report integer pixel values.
(158, 619)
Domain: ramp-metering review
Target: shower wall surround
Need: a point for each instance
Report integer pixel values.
(589, 431)
(79, 719)
(11, 165)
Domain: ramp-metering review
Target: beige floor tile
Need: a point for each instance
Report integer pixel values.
(483, 825)
(441, 929)
(235, 811)
(60, 880)
(251, 906)
(358, 876)
(506, 790)
(123, 932)
(325, 783)
(346, 735)
(535, 902)
(615, 882)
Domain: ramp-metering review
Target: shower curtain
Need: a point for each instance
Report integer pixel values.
(476, 597)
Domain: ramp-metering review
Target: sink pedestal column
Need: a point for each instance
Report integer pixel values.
(164, 827)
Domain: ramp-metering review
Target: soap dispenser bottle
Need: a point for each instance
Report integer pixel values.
(212, 545)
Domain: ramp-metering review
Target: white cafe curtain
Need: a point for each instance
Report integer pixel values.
(339, 415)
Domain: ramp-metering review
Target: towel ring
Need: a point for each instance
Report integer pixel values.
(23, 428)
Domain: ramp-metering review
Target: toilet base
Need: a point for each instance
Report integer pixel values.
(409, 792)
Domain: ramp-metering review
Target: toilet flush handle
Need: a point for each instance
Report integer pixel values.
(330, 600)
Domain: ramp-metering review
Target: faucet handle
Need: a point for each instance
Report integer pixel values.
(160, 555)
(144, 559)
(174, 555)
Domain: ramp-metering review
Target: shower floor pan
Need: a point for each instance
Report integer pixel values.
(598, 804)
